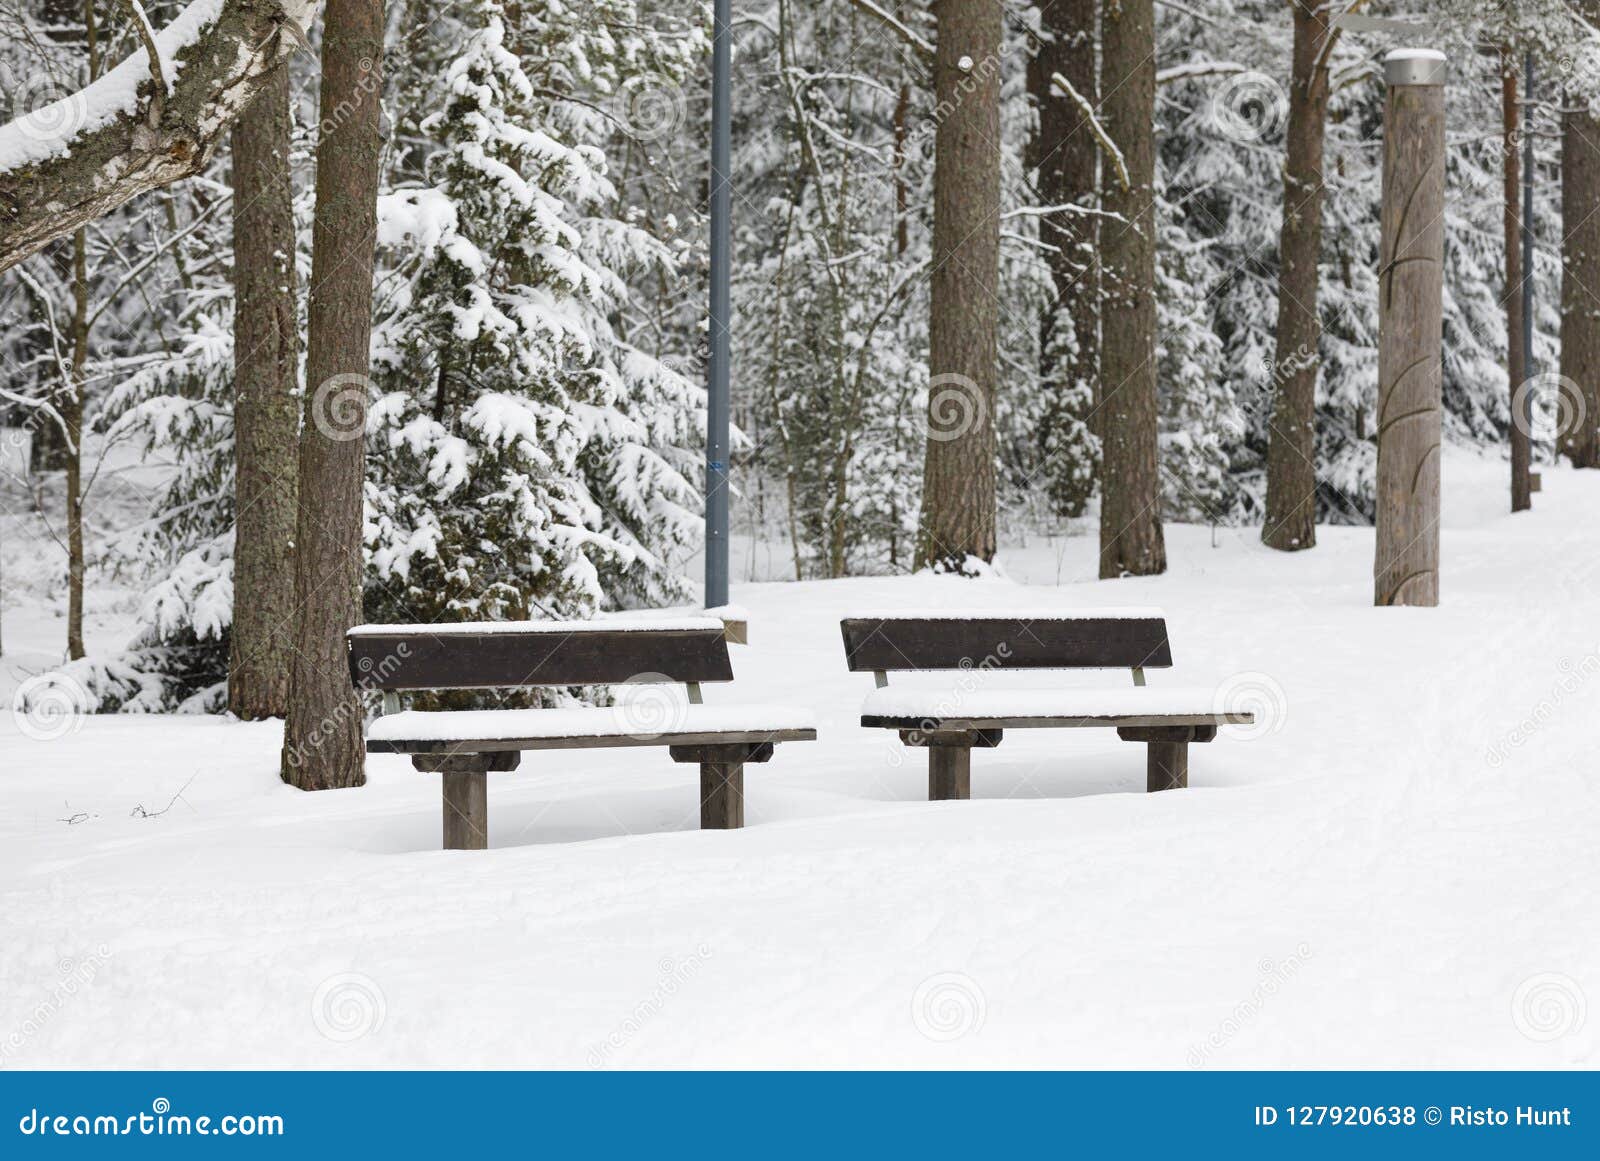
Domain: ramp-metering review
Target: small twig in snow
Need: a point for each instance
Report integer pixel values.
(140, 812)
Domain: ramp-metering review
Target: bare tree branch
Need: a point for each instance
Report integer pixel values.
(904, 31)
(1113, 154)
(83, 156)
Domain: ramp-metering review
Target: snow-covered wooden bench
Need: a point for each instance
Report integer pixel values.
(950, 722)
(465, 746)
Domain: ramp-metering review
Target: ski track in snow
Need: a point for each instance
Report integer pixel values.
(1367, 878)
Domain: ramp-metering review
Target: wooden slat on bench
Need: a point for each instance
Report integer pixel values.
(1031, 642)
(1062, 723)
(581, 742)
(446, 657)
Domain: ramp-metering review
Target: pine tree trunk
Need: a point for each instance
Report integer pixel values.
(1291, 515)
(958, 494)
(1066, 157)
(1516, 366)
(1131, 541)
(322, 737)
(72, 417)
(1579, 408)
(266, 422)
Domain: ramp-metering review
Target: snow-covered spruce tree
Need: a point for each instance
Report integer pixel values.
(524, 460)
(830, 352)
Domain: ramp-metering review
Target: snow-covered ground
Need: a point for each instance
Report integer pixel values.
(1398, 867)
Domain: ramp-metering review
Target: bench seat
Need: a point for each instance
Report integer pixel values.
(974, 711)
(492, 730)
(897, 707)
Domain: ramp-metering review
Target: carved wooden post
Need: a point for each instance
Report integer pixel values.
(1410, 330)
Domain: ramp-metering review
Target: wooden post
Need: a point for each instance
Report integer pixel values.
(722, 779)
(1410, 330)
(950, 758)
(1167, 766)
(949, 772)
(466, 810)
(466, 793)
(721, 795)
(1167, 752)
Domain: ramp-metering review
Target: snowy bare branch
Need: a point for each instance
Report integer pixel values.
(77, 159)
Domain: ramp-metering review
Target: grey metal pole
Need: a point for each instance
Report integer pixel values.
(1527, 233)
(718, 405)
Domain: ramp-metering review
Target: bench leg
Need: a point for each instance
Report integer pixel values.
(466, 794)
(950, 758)
(722, 779)
(1167, 767)
(1167, 762)
(466, 811)
(949, 773)
(721, 795)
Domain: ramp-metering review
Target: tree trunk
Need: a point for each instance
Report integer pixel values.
(1291, 516)
(1579, 406)
(47, 194)
(1516, 364)
(322, 737)
(958, 493)
(1410, 332)
(72, 418)
(266, 420)
(1066, 158)
(1131, 541)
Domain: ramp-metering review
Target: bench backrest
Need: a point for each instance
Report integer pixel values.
(1095, 639)
(499, 655)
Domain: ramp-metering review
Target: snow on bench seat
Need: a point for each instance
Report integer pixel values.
(987, 708)
(642, 723)
(620, 623)
(1024, 613)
